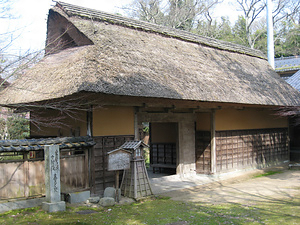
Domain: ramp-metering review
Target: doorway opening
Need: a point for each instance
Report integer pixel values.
(163, 141)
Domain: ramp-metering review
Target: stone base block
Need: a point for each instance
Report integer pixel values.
(93, 200)
(54, 207)
(107, 201)
(78, 197)
(111, 193)
(22, 204)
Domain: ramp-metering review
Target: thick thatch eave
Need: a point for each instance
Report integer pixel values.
(120, 60)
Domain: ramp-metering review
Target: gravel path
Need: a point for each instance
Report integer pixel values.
(285, 185)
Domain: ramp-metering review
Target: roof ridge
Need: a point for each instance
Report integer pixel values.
(75, 10)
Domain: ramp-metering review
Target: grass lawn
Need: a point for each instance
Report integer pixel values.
(164, 211)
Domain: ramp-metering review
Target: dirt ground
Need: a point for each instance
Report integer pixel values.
(246, 190)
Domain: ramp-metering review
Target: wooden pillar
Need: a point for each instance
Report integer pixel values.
(186, 146)
(288, 145)
(86, 168)
(26, 174)
(89, 121)
(213, 155)
(89, 154)
(136, 125)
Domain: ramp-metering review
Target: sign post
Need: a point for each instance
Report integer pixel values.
(118, 159)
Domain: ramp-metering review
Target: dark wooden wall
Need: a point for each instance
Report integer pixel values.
(242, 148)
(203, 152)
(101, 177)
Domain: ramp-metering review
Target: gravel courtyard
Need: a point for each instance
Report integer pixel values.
(245, 190)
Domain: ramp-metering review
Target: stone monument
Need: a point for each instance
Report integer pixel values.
(52, 180)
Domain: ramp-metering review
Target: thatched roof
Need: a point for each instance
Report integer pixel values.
(3, 83)
(92, 51)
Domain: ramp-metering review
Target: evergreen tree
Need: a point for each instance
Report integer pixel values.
(18, 128)
(288, 42)
(239, 31)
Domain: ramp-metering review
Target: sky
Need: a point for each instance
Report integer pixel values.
(31, 20)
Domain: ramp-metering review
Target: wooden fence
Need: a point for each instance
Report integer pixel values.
(25, 178)
(242, 148)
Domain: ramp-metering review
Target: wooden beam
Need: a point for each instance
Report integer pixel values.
(213, 154)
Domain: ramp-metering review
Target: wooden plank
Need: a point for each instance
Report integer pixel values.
(14, 184)
(86, 168)
(73, 173)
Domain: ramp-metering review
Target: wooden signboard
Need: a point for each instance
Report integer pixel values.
(119, 159)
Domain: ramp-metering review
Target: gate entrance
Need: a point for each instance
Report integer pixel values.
(163, 147)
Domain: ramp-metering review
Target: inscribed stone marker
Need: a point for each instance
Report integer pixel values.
(52, 180)
(52, 173)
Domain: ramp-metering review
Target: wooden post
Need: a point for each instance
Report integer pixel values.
(26, 174)
(89, 159)
(288, 141)
(213, 154)
(135, 179)
(90, 121)
(136, 126)
(86, 168)
(117, 185)
(92, 170)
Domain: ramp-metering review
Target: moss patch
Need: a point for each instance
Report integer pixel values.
(267, 174)
(165, 211)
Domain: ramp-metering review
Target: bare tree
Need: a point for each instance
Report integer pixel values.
(179, 14)
(286, 16)
(252, 12)
(147, 10)
(150, 10)
(286, 10)
(5, 6)
(14, 65)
